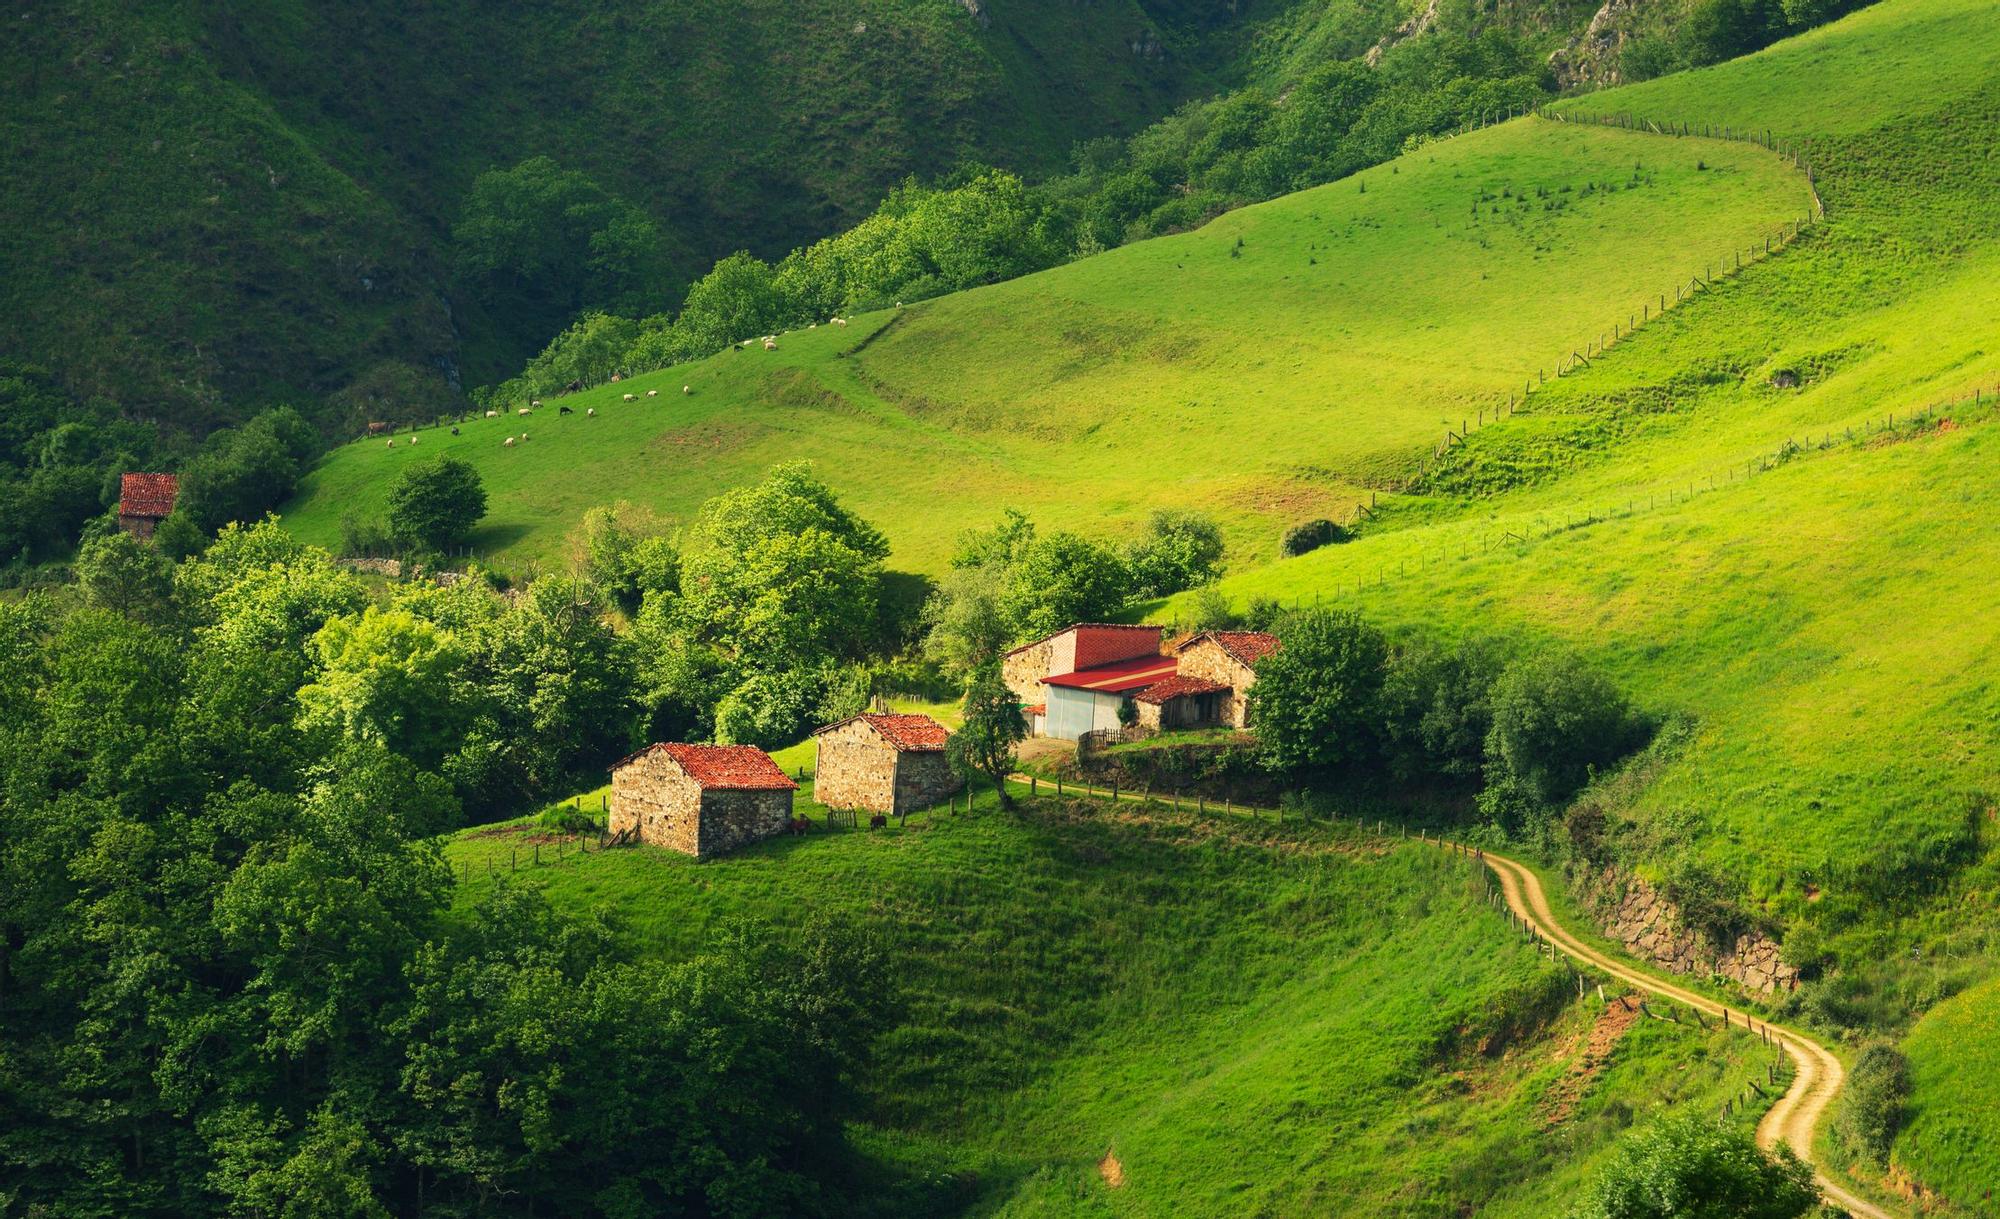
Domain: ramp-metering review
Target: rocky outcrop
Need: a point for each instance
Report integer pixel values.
(1647, 924)
(1591, 58)
(1412, 28)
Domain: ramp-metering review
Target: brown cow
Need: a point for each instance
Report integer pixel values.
(377, 429)
(878, 821)
(801, 824)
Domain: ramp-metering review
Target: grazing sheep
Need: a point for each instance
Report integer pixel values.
(509, 442)
(840, 321)
(686, 390)
(524, 411)
(812, 325)
(770, 345)
(590, 413)
(492, 414)
(392, 442)
(747, 342)
(652, 393)
(535, 402)
(631, 397)
(413, 440)
(614, 378)
(524, 437)
(454, 431)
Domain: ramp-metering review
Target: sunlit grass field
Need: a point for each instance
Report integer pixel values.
(1294, 1020)
(1273, 366)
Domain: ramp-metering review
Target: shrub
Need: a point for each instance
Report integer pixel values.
(1875, 1102)
(1436, 709)
(1685, 1168)
(1555, 720)
(365, 537)
(563, 819)
(437, 502)
(1315, 701)
(1211, 612)
(1179, 551)
(1310, 536)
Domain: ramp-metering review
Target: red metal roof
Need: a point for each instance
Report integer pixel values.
(147, 494)
(1119, 676)
(1245, 647)
(1177, 687)
(730, 767)
(905, 733)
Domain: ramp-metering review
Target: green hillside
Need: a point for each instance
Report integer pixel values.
(1826, 620)
(211, 209)
(1249, 1018)
(1275, 365)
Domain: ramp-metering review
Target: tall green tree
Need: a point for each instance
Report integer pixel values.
(984, 743)
(120, 573)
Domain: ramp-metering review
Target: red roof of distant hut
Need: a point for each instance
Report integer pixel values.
(906, 733)
(729, 767)
(148, 495)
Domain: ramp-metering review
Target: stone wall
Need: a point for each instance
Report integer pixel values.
(856, 768)
(731, 819)
(923, 777)
(1207, 659)
(1024, 670)
(1647, 924)
(655, 796)
(671, 810)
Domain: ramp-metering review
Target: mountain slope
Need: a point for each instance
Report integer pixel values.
(214, 208)
(1273, 366)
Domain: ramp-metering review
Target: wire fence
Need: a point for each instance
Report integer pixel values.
(1650, 309)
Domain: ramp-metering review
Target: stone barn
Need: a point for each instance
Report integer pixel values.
(1182, 702)
(1226, 659)
(883, 763)
(144, 500)
(701, 800)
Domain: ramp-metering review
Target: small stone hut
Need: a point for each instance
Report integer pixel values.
(701, 800)
(1226, 658)
(144, 500)
(884, 763)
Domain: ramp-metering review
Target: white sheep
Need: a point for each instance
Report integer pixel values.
(492, 414)
(509, 442)
(535, 402)
(812, 325)
(631, 397)
(770, 345)
(590, 412)
(392, 442)
(686, 389)
(413, 440)
(840, 321)
(652, 393)
(614, 378)
(523, 411)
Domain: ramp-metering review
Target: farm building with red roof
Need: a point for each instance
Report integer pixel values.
(1227, 658)
(892, 764)
(701, 800)
(1083, 677)
(144, 500)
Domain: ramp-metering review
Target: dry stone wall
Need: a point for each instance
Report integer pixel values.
(858, 769)
(656, 797)
(731, 819)
(1648, 925)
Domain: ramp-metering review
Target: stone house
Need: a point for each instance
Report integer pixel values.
(1182, 702)
(144, 500)
(701, 800)
(1085, 645)
(884, 763)
(1227, 659)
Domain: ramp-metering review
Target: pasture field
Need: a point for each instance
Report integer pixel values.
(1718, 512)
(1274, 365)
(1250, 1018)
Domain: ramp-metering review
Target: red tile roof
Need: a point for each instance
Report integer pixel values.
(147, 494)
(905, 733)
(1176, 687)
(730, 767)
(1245, 647)
(1118, 677)
(1037, 709)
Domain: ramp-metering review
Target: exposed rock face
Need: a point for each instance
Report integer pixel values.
(1412, 28)
(1592, 56)
(1648, 925)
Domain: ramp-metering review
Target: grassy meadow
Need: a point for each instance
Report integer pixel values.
(1275, 365)
(1822, 610)
(1250, 1018)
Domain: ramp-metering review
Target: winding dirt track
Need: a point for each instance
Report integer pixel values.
(1793, 1119)
(1796, 1115)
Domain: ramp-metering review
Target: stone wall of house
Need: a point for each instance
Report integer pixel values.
(1023, 670)
(140, 527)
(731, 819)
(923, 777)
(654, 795)
(1647, 924)
(856, 769)
(1151, 715)
(1207, 659)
